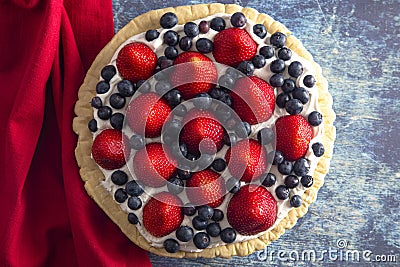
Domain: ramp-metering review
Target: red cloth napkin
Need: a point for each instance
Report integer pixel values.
(47, 219)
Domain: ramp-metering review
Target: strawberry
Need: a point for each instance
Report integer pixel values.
(202, 127)
(232, 46)
(153, 165)
(162, 214)
(246, 160)
(253, 99)
(198, 75)
(206, 187)
(252, 210)
(110, 148)
(147, 113)
(136, 61)
(293, 135)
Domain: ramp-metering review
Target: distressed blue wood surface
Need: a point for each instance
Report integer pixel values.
(357, 44)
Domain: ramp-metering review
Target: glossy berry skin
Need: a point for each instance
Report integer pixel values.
(171, 52)
(277, 66)
(301, 94)
(201, 240)
(228, 235)
(137, 141)
(96, 102)
(132, 218)
(267, 51)
(293, 135)
(119, 177)
(238, 19)
(217, 24)
(171, 38)
(282, 99)
(213, 229)
(191, 29)
(206, 187)
(278, 39)
(185, 43)
(134, 188)
(92, 125)
(102, 87)
(285, 167)
(108, 72)
(189, 209)
(296, 201)
(153, 166)
(282, 192)
(171, 245)
(265, 136)
(110, 149)
(307, 181)
(173, 98)
(315, 118)
(301, 167)
(294, 106)
(175, 185)
(162, 214)
(260, 30)
(219, 164)
(309, 81)
(120, 195)
(318, 149)
(295, 69)
(269, 180)
(233, 185)
(284, 53)
(151, 35)
(258, 61)
(276, 80)
(168, 20)
(204, 45)
(275, 157)
(143, 86)
(117, 101)
(252, 210)
(218, 215)
(205, 212)
(184, 233)
(246, 67)
(288, 86)
(202, 101)
(117, 120)
(136, 61)
(291, 181)
(246, 160)
(126, 88)
(204, 27)
(134, 203)
(232, 46)
(242, 129)
(162, 87)
(198, 223)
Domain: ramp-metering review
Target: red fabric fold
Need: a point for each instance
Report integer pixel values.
(47, 219)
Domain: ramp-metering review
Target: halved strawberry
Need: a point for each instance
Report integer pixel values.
(110, 148)
(253, 99)
(252, 210)
(202, 127)
(136, 61)
(246, 160)
(147, 113)
(232, 46)
(293, 135)
(193, 73)
(153, 166)
(206, 187)
(162, 214)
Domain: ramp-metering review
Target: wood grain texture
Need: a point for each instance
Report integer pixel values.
(357, 44)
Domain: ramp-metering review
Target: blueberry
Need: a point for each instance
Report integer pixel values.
(173, 98)
(120, 195)
(191, 157)
(151, 35)
(92, 125)
(198, 223)
(282, 99)
(191, 29)
(223, 113)
(288, 86)
(168, 138)
(117, 101)
(309, 81)
(108, 72)
(134, 203)
(246, 67)
(285, 167)
(184, 174)
(179, 110)
(269, 180)
(230, 139)
(233, 185)
(102, 87)
(243, 129)
(185, 43)
(204, 45)
(275, 157)
(205, 212)
(132, 218)
(202, 101)
(218, 215)
(227, 99)
(117, 121)
(294, 106)
(265, 136)
(260, 30)
(173, 126)
(228, 235)
(166, 63)
(285, 53)
(171, 38)
(301, 167)
(137, 141)
(295, 69)
(96, 102)
(216, 93)
(171, 52)
(204, 27)
(307, 181)
(175, 185)
(219, 164)
(184, 233)
(226, 81)
(104, 112)
(315, 118)
(291, 181)
(267, 51)
(161, 75)
(134, 188)
(171, 245)
(282, 192)
(201, 240)
(277, 66)
(126, 88)
(233, 73)
(160, 60)
(189, 209)
(183, 149)
(301, 94)
(162, 87)
(276, 80)
(258, 61)
(119, 177)
(278, 39)
(318, 149)
(143, 86)
(238, 19)
(296, 201)
(217, 24)
(213, 229)
(168, 20)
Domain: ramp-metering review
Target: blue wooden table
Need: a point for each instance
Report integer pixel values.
(356, 218)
